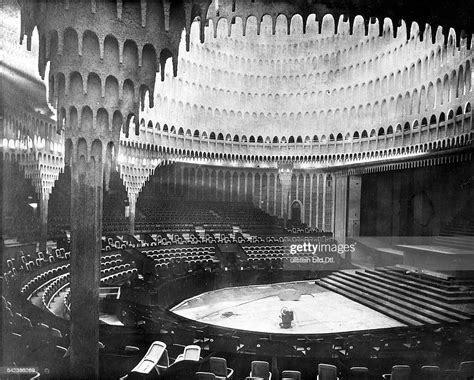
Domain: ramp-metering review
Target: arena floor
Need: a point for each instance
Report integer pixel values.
(257, 308)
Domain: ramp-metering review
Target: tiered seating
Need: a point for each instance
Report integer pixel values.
(29, 263)
(53, 288)
(189, 253)
(43, 279)
(29, 341)
(187, 249)
(182, 216)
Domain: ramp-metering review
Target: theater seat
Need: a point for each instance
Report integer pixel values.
(327, 372)
(156, 357)
(131, 349)
(399, 372)
(260, 369)
(293, 375)
(467, 369)
(205, 376)
(191, 352)
(359, 373)
(430, 372)
(219, 368)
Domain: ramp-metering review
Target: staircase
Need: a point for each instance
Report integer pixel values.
(405, 297)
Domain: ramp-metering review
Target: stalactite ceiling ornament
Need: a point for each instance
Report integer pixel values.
(124, 43)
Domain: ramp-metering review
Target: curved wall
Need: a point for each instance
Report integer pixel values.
(333, 87)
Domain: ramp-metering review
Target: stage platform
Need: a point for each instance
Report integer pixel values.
(440, 258)
(257, 308)
(418, 252)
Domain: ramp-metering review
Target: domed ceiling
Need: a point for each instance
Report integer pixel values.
(247, 83)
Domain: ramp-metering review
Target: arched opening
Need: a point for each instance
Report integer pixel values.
(296, 212)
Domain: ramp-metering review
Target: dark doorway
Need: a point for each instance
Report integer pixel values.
(296, 213)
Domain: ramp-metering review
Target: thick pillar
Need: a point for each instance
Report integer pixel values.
(311, 223)
(285, 193)
(340, 207)
(323, 213)
(347, 207)
(285, 173)
(353, 206)
(92, 117)
(132, 208)
(86, 230)
(43, 209)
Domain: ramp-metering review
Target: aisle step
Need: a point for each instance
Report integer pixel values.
(386, 310)
(416, 312)
(420, 301)
(381, 278)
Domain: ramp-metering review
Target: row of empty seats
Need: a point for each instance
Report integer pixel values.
(43, 278)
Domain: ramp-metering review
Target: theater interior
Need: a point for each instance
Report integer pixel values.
(237, 189)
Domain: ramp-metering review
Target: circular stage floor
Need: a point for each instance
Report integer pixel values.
(257, 308)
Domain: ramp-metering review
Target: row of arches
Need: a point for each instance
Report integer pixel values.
(327, 26)
(382, 112)
(107, 50)
(434, 121)
(376, 153)
(439, 92)
(80, 149)
(348, 64)
(426, 67)
(22, 124)
(87, 119)
(26, 143)
(109, 92)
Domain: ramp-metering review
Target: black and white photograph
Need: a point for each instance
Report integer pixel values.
(237, 189)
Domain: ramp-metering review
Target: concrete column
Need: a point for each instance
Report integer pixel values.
(132, 209)
(311, 200)
(282, 204)
(297, 192)
(86, 232)
(340, 208)
(333, 194)
(268, 194)
(275, 187)
(238, 186)
(285, 172)
(317, 201)
(323, 224)
(285, 193)
(245, 185)
(303, 201)
(353, 206)
(43, 198)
